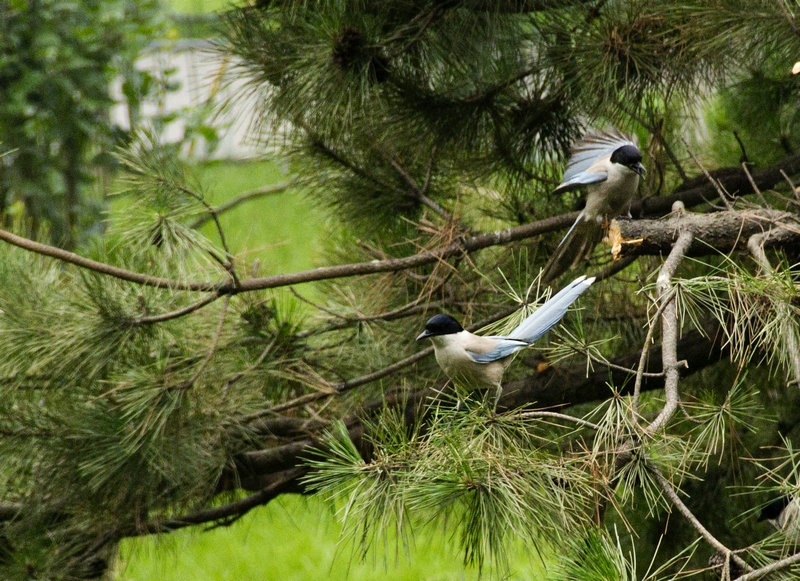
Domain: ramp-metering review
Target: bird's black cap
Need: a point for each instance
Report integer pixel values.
(629, 156)
(440, 325)
(774, 508)
(626, 155)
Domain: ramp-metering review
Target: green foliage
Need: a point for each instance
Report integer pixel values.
(56, 64)
(485, 478)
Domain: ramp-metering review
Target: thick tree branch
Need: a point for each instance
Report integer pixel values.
(734, 180)
(714, 233)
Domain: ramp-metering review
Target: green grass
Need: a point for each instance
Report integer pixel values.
(197, 6)
(283, 231)
(293, 538)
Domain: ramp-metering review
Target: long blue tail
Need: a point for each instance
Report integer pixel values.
(551, 312)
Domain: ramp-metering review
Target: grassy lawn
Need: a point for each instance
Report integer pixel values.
(292, 538)
(198, 6)
(283, 231)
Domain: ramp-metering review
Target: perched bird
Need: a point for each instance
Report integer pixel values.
(481, 361)
(783, 513)
(608, 165)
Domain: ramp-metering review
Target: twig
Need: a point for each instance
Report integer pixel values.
(723, 196)
(228, 262)
(343, 322)
(676, 501)
(244, 372)
(149, 320)
(212, 350)
(795, 191)
(419, 194)
(342, 387)
(753, 185)
(325, 310)
(565, 417)
(771, 568)
(241, 199)
(670, 332)
(607, 363)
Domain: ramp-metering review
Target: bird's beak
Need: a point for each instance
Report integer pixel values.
(639, 169)
(423, 335)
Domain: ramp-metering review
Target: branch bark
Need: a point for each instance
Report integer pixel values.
(670, 329)
(714, 233)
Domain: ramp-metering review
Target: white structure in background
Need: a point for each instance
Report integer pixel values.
(201, 76)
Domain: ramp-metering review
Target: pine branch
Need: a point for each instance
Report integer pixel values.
(694, 195)
(714, 233)
(470, 244)
(670, 330)
(771, 568)
(676, 501)
(756, 244)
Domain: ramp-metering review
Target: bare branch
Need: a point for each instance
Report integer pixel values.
(470, 244)
(676, 501)
(558, 416)
(670, 330)
(152, 319)
(714, 233)
(640, 374)
(753, 184)
(771, 568)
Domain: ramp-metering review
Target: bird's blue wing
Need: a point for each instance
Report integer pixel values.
(595, 145)
(583, 178)
(551, 312)
(505, 347)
